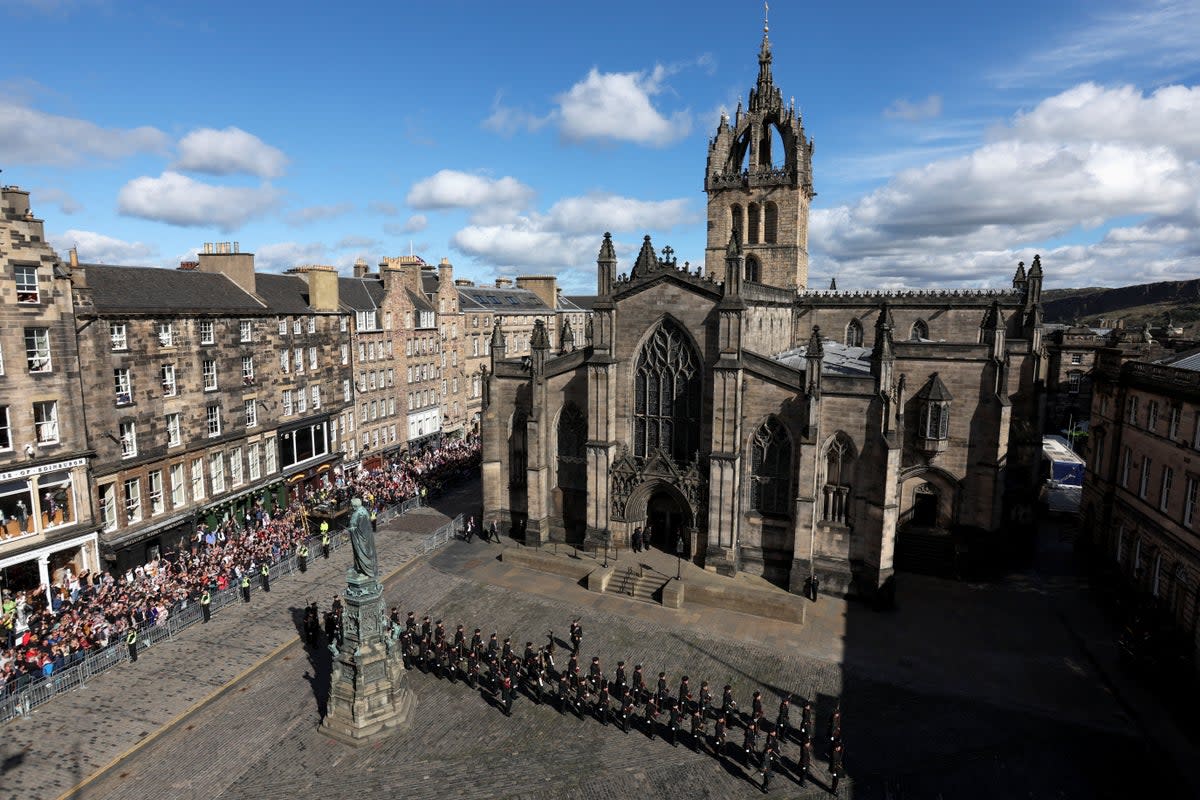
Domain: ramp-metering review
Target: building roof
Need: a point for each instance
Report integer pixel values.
(419, 302)
(283, 294)
(504, 300)
(837, 358)
(586, 302)
(1187, 360)
(117, 289)
(361, 294)
(568, 304)
(429, 280)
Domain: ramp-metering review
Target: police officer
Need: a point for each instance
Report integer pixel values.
(302, 557)
(835, 766)
(781, 720)
(325, 537)
(265, 573)
(206, 605)
(131, 640)
(245, 587)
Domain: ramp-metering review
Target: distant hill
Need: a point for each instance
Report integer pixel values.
(1146, 302)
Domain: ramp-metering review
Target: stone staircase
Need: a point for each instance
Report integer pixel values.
(637, 583)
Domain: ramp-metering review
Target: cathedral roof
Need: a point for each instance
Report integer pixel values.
(837, 358)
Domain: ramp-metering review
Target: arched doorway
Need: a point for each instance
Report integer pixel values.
(667, 518)
(925, 506)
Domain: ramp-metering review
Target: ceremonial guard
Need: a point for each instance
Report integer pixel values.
(835, 766)
(426, 628)
(651, 717)
(602, 703)
(564, 693)
(719, 737)
(529, 653)
(728, 706)
(493, 649)
(806, 757)
(619, 679)
(576, 637)
(460, 640)
(302, 557)
(439, 632)
(627, 706)
(768, 767)
(406, 644)
(756, 706)
(509, 694)
(639, 684)
(206, 605)
(662, 692)
(506, 651)
(594, 673)
(806, 721)
(684, 689)
(750, 743)
(674, 721)
(410, 623)
(781, 720)
(705, 699)
(772, 740)
(835, 726)
(472, 668)
(697, 729)
(477, 642)
(550, 649)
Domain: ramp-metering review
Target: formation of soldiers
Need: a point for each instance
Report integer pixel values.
(625, 698)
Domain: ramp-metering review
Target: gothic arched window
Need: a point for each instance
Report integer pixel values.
(667, 395)
(572, 456)
(753, 226)
(753, 270)
(839, 467)
(920, 330)
(737, 223)
(770, 469)
(770, 222)
(854, 334)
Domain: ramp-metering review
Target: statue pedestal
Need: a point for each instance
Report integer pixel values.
(369, 696)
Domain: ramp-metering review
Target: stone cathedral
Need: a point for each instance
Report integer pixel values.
(763, 425)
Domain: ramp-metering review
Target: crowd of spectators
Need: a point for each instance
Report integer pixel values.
(89, 611)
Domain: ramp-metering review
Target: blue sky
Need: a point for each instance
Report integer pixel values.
(952, 139)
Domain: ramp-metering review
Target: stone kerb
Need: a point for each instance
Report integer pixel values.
(747, 600)
(544, 562)
(672, 594)
(599, 578)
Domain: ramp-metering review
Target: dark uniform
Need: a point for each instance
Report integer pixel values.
(602, 703)
(705, 699)
(426, 627)
(627, 705)
(508, 694)
(576, 637)
(619, 684)
(728, 706)
(564, 693)
(439, 632)
(674, 723)
(806, 756)
(410, 623)
(781, 720)
(662, 692)
(506, 651)
(768, 768)
(651, 717)
(594, 673)
(476, 642)
(756, 706)
(835, 766)
(639, 685)
(750, 743)
(697, 729)
(806, 722)
(718, 741)
(684, 689)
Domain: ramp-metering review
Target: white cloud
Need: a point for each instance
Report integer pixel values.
(416, 223)
(601, 212)
(617, 106)
(353, 242)
(309, 214)
(909, 111)
(282, 256)
(231, 151)
(383, 207)
(525, 246)
(97, 248)
(1076, 165)
(65, 202)
(179, 200)
(30, 136)
(492, 198)
(508, 121)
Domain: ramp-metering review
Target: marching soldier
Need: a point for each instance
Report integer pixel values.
(439, 633)
(806, 721)
(325, 538)
(506, 650)
(781, 720)
(750, 743)
(675, 722)
(697, 729)
(564, 693)
(472, 668)
(302, 557)
(426, 627)
(576, 637)
(768, 767)
(627, 704)
(619, 679)
(410, 623)
(756, 706)
(533, 678)
(509, 694)
(245, 587)
(835, 766)
(806, 757)
(460, 640)
(493, 648)
(602, 703)
(684, 689)
(835, 726)
(772, 741)
(718, 741)
(662, 692)
(705, 699)
(594, 673)
(406, 644)
(529, 654)
(651, 717)
(572, 664)
(639, 685)
(581, 696)
(728, 706)
(477, 642)
(206, 605)
(131, 640)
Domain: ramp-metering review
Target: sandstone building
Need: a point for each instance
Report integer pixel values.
(759, 425)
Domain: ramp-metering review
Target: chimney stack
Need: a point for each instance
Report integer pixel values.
(226, 258)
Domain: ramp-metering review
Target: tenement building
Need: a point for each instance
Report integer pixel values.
(1140, 491)
(754, 424)
(46, 519)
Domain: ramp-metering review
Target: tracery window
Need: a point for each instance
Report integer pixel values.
(517, 451)
(667, 395)
(572, 455)
(839, 467)
(770, 469)
(753, 270)
(920, 330)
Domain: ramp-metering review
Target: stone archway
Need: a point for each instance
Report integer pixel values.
(665, 511)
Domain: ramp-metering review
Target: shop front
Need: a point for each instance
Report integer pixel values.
(49, 565)
(39, 499)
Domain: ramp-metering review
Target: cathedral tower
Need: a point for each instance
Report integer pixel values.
(759, 182)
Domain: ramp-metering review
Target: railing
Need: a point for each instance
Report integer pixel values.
(30, 692)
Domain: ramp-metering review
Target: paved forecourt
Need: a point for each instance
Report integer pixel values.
(72, 737)
(903, 736)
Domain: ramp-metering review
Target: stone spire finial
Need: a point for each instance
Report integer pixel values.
(647, 260)
(606, 249)
(497, 337)
(539, 340)
(815, 348)
(567, 338)
(833, 284)
(1035, 269)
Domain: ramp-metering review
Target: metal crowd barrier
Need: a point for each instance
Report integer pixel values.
(30, 692)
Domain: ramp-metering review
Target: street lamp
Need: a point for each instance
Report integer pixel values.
(679, 556)
(607, 536)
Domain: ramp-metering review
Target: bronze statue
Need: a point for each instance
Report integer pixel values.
(362, 540)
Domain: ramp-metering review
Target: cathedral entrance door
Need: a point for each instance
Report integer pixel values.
(925, 506)
(667, 519)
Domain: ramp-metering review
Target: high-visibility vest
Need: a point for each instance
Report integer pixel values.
(265, 570)
(131, 638)
(205, 598)
(324, 538)
(245, 581)
(324, 526)
(304, 551)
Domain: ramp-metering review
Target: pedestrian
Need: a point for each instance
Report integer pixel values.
(265, 574)
(302, 557)
(835, 766)
(206, 605)
(131, 640)
(325, 538)
(637, 539)
(245, 587)
(494, 534)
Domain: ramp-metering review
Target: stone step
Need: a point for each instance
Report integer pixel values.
(628, 583)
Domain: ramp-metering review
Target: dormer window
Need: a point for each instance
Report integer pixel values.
(933, 402)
